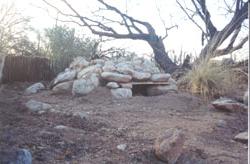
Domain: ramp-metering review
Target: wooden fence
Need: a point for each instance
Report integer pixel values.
(25, 69)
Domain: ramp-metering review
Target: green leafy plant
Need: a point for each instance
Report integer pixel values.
(64, 45)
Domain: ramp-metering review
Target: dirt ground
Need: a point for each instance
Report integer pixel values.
(106, 123)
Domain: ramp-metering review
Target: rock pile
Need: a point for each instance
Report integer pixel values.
(119, 75)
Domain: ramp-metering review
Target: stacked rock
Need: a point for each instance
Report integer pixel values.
(82, 77)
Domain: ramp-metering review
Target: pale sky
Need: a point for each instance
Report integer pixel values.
(187, 37)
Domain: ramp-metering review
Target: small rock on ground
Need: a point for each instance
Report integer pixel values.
(242, 137)
(221, 123)
(36, 106)
(169, 145)
(228, 105)
(121, 147)
(35, 88)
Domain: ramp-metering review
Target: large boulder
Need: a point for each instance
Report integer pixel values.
(169, 145)
(161, 89)
(65, 76)
(35, 88)
(230, 105)
(117, 77)
(125, 67)
(36, 106)
(79, 63)
(84, 86)
(64, 87)
(160, 77)
(145, 65)
(245, 98)
(124, 64)
(140, 76)
(121, 93)
(125, 70)
(149, 66)
(89, 70)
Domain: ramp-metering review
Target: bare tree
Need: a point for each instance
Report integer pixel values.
(12, 27)
(135, 29)
(215, 38)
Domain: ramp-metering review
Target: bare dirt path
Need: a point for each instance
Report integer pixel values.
(106, 123)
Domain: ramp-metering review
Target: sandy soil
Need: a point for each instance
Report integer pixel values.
(106, 123)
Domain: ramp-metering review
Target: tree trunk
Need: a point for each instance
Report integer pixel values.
(161, 56)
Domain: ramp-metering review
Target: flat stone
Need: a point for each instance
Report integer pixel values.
(160, 77)
(228, 105)
(125, 70)
(116, 77)
(141, 76)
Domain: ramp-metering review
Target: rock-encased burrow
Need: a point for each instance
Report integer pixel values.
(124, 78)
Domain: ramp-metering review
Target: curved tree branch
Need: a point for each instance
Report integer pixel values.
(135, 29)
(214, 37)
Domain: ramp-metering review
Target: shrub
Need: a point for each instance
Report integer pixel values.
(64, 45)
(208, 79)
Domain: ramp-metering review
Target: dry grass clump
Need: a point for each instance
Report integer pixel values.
(208, 79)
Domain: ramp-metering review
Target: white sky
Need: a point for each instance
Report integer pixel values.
(187, 37)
